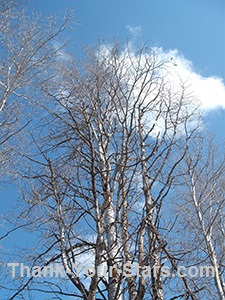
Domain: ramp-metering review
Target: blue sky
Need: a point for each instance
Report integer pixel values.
(191, 30)
(194, 28)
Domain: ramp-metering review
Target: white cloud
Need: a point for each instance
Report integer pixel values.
(210, 91)
(184, 93)
(135, 31)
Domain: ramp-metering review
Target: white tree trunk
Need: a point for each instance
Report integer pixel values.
(220, 284)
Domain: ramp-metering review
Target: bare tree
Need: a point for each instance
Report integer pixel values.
(202, 212)
(28, 46)
(112, 147)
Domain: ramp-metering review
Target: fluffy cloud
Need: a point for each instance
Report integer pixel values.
(210, 91)
(171, 71)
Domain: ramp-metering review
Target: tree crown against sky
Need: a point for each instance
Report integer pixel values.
(115, 169)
